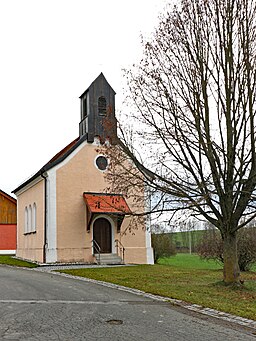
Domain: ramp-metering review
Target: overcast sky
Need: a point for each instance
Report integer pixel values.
(51, 51)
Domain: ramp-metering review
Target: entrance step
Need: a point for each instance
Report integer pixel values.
(108, 259)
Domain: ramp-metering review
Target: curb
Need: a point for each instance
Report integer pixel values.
(192, 307)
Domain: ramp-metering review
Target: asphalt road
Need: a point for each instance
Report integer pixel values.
(42, 306)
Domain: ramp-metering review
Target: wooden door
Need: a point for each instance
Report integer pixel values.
(102, 234)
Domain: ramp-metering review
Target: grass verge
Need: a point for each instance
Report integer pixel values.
(9, 260)
(182, 280)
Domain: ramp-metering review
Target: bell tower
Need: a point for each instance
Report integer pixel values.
(98, 111)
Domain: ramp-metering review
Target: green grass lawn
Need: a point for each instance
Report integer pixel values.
(9, 260)
(187, 261)
(184, 277)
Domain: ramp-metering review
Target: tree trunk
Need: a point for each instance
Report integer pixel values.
(231, 269)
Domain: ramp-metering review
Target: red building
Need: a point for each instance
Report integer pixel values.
(8, 223)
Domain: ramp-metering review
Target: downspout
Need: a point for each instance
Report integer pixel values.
(45, 217)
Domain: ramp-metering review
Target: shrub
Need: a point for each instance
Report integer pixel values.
(162, 245)
(246, 248)
(211, 246)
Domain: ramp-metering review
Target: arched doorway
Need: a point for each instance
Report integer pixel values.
(102, 234)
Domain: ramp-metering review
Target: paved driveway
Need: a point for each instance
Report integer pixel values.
(42, 306)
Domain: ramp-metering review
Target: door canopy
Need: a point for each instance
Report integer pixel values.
(109, 204)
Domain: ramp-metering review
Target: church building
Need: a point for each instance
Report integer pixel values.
(65, 214)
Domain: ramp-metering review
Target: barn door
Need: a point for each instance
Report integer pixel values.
(102, 234)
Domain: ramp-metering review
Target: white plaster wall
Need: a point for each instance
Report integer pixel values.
(51, 224)
(7, 252)
(150, 252)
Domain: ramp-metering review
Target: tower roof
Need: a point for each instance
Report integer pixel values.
(101, 77)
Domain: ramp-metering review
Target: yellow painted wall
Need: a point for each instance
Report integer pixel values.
(74, 243)
(30, 245)
(74, 176)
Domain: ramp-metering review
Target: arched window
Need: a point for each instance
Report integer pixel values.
(102, 105)
(34, 218)
(29, 218)
(26, 220)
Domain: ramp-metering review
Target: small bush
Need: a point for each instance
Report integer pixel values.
(162, 245)
(246, 248)
(211, 247)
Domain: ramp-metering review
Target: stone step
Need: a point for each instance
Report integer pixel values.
(108, 258)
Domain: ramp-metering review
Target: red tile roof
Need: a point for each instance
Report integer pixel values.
(106, 203)
(63, 151)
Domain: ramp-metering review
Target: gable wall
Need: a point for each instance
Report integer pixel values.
(74, 243)
(67, 236)
(77, 176)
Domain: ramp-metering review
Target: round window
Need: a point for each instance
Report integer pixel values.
(101, 162)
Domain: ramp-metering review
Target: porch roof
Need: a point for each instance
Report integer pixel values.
(113, 204)
(106, 203)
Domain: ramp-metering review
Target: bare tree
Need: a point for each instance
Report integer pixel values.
(193, 101)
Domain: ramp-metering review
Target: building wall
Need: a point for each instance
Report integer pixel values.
(79, 175)
(8, 224)
(8, 210)
(134, 240)
(30, 244)
(67, 237)
(74, 243)
(8, 237)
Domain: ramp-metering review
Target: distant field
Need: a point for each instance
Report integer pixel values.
(186, 239)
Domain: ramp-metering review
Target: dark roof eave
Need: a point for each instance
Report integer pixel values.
(84, 93)
(39, 173)
(112, 213)
(50, 165)
(108, 194)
